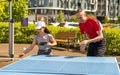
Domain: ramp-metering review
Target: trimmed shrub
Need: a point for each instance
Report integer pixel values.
(26, 34)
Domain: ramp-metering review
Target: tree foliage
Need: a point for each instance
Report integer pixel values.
(90, 15)
(118, 19)
(74, 18)
(3, 10)
(19, 9)
(60, 17)
(107, 19)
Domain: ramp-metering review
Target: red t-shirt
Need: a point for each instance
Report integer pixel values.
(90, 27)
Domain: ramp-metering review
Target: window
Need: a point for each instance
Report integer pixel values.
(62, 4)
(41, 2)
(58, 3)
(35, 4)
(79, 1)
(92, 1)
(79, 4)
(29, 4)
(50, 3)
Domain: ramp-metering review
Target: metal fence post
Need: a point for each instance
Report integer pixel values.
(11, 31)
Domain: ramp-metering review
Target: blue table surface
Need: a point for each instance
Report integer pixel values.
(62, 65)
(10, 73)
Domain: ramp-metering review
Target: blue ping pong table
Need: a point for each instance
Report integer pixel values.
(62, 65)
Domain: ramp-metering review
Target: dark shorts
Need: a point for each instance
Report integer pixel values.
(97, 48)
(44, 52)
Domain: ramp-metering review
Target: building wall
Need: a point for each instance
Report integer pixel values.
(51, 8)
(113, 9)
(110, 8)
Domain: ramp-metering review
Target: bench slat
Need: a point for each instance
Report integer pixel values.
(66, 37)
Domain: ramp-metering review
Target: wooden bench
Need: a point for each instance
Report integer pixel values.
(66, 37)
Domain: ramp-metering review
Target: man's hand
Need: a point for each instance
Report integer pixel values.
(82, 48)
(83, 45)
(85, 42)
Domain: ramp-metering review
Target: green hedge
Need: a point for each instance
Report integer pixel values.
(113, 41)
(25, 34)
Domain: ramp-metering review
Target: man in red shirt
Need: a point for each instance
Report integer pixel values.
(91, 28)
